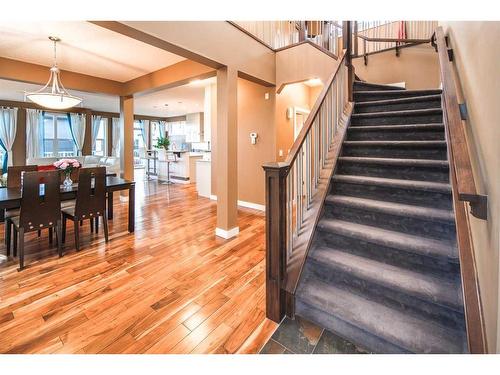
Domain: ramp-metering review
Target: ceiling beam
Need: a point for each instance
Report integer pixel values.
(16, 70)
(174, 75)
(156, 42)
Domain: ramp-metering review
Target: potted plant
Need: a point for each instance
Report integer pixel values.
(163, 142)
(67, 166)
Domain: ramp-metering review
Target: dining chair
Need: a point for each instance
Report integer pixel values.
(90, 202)
(40, 209)
(14, 177)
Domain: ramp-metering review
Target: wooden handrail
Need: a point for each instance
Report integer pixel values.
(463, 189)
(297, 145)
(393, 40)
(459, 153)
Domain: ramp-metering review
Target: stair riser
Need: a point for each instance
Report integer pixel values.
(404, 152)
(400, 223)
(371, 87)
(435, 103)
(350, 332)
(440, 267)
(397, 135)
(429, 118)
(390, 194)
(370, 97)
(416, 305)
(396, 172)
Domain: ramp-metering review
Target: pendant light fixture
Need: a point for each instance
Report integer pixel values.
(53, 95)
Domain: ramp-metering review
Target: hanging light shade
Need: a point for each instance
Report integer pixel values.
(53, 95)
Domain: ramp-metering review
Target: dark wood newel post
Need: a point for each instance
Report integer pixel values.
(347, 44)
(275, 239)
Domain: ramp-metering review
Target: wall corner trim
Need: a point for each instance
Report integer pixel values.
(226, 234)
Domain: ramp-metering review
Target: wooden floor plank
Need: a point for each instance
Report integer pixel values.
(171, 287)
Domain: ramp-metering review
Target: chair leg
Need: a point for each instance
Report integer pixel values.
(59, 239)
(91, 225)
(77, 235)
(8, 234)
(51, 236)
(39, 233)
(63, 235)
(15, 241)
(105, 226)
(21, 249)
(96, 221)
(81, 223)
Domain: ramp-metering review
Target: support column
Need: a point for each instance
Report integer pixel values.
(227, 153)
(109, 136)
(87, 142)
(127, 137)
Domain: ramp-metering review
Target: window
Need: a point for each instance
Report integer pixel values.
(55, 138)
(139, 147)
(100, 143)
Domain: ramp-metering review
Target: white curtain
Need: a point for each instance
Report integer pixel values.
(116, 137)
(8, 128)
(145, 133)
(96, 124)
(33, 123)
(78, 130)
(162, 127)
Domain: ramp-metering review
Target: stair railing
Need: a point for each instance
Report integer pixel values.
(380, 36)
(464, 190)
(297, 187)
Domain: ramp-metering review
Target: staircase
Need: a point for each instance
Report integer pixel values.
(383, 270)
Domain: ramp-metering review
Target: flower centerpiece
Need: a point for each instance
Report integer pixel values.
(67, 166)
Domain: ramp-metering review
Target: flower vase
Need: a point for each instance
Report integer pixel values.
(67, 180)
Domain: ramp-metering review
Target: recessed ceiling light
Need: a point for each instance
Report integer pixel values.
(166, 105)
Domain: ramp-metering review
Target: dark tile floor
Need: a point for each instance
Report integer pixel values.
(302, 337)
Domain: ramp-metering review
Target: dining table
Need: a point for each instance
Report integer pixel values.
(11, 197)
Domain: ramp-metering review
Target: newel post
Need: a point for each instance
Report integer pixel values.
(275, 239)
(347, 40)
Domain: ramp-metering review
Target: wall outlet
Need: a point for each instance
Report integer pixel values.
(280, 152)
(266, 96)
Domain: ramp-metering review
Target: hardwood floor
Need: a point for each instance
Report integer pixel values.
(171, 287)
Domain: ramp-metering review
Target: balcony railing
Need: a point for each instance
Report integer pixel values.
(281, 34)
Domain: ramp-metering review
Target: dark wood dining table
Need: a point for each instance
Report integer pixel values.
(11, 197)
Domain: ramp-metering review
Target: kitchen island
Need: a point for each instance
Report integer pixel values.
(182, 170)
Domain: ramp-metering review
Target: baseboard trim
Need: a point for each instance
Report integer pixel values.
(255, 206)
(227, 234)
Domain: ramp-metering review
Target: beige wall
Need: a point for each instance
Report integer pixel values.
(255, 114)
(418, 66)
(303, 62)
(294, 95)
(477, 64)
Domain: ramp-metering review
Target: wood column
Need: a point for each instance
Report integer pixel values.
(227, 153)
(127, 137)
(347, 44)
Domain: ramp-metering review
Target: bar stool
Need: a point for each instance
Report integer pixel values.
(170, 157)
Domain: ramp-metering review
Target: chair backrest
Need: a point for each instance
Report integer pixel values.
(91, 197)
(41, 200)
(14, 174)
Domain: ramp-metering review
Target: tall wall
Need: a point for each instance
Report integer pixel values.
(476, 63)
(418, 66)
(255, 114)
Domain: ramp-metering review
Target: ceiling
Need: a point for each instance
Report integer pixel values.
(84, 48)
(181, 100)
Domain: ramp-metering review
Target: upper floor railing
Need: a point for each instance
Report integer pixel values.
(281, 34)
(377, 36)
